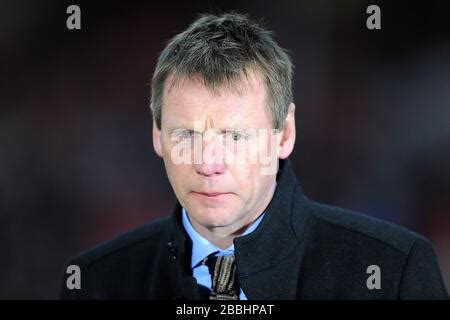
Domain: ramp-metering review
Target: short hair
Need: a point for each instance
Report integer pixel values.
(220, 49)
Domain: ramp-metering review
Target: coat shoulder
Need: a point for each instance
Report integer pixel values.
(146, 235)
(119, 268)
(365, 227)
(341, 245)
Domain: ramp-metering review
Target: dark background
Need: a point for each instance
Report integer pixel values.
(77, 164)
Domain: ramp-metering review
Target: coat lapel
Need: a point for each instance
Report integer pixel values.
(268, 260)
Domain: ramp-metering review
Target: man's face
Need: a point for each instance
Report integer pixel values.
(216, 148)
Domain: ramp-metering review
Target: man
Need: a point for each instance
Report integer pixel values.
(242, 229)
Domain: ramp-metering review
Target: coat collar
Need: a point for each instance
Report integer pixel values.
(275, 229)
(268, 260)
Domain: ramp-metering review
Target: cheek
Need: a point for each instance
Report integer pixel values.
(178, 171)
(177, 174)
(244, 176)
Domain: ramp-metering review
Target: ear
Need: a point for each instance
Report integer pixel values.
(157, 139)
(287, 138)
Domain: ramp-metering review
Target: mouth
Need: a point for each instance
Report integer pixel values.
(213, 195)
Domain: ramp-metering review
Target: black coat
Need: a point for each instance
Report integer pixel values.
(300, 250)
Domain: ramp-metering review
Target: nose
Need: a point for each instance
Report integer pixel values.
(212, 159)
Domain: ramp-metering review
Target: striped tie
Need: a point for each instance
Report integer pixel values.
(222, 270)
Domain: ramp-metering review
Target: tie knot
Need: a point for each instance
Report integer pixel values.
(222, 270)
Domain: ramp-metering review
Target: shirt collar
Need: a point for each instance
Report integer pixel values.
(201, 247)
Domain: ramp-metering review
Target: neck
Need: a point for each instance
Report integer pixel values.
(221, 237)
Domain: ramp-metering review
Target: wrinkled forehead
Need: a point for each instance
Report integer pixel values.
(242, 100)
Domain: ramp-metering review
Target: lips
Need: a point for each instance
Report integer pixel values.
(212, 194)
(212, 198)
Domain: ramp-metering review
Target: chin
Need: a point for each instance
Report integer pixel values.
(214, 217)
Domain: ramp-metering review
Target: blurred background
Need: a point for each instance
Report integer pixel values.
(77, 164)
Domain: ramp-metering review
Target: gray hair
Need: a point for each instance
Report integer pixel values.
(220, 50)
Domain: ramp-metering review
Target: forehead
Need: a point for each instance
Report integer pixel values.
(188, 100)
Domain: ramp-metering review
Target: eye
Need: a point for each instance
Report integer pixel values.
(236, 135)
(183, 134)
